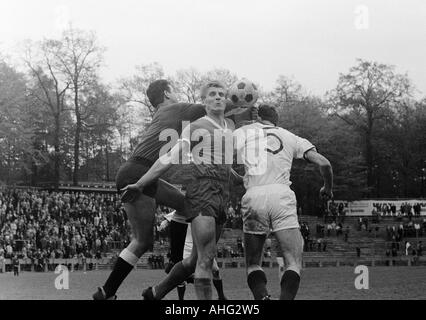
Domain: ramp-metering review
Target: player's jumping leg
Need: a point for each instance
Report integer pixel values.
(177, 243)
(204, 237)
(141, 214)
(291, 243)
(256, 278)
(179, 273)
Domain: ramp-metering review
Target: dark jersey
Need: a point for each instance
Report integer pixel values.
(210, 157)
(166, 117)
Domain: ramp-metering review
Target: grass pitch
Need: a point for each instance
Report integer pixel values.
(331, 283)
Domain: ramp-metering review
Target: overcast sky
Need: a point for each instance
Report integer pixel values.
(311, 40)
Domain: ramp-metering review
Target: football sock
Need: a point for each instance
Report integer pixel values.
(289, 285)
(181, 291)
(177, 275)
(219, 288)
(124, 264)
(257, 283)
(203, 288)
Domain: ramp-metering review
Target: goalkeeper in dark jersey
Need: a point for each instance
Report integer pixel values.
(140, 207)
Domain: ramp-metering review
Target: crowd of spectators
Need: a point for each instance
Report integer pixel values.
(156, 261)
(390, 209)
(41, 224)
(234, 216)
(335, 212)
(408, 229)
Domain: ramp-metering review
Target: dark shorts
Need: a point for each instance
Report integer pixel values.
(207, 197)
(163, 192)
(131, 171)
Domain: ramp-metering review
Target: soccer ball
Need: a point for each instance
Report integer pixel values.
(243, 93)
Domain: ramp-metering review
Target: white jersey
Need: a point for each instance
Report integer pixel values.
(267, 153)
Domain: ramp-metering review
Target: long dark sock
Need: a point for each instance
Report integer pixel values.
(289, 285)
(119, 273)
(219, 288)
(177, 275)
(257, 283)
(181, 291)
(203, 288)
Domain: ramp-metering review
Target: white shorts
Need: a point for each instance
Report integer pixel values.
(269, 208)
(188, 243)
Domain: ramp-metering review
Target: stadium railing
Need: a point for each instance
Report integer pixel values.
(81, 264)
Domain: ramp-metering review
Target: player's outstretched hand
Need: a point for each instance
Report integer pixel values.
(130, 193)
(326, 194)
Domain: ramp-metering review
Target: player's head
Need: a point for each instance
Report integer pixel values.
(268, 113)
(161, 91)
(213, 94)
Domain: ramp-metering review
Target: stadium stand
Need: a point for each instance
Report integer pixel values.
(86, 230)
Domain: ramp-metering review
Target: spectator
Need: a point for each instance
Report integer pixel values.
(319, 244)
(419, 249)
(324, 245)
(358, 252)
(339, 229)
(347, 233)
(417, 229)
(329, 228)
(15, 264)
(407, 247)
(388, 253)
(240, 246)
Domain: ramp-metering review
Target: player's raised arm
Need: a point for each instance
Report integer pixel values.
(326, 171)
(161, 165)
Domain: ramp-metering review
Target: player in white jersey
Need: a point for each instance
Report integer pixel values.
(267, 152)
(177, 219)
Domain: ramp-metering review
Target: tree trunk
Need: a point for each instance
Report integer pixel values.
(369, 154)
(107, 163)
(77, 139)
(57, 152)
(33, 173)
(9, 162)
(76, 153)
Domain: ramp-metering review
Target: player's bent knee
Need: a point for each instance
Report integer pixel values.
(205, 262)
(294, 267)
(215, 273)
(143, 244)
(253, 267)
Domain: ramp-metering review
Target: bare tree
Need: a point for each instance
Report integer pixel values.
(134, 88)
(49, 87)
(220, 74)
(78, 57)
(287, 90)
(188, 83)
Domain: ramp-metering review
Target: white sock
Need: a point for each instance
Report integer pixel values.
(129, 257)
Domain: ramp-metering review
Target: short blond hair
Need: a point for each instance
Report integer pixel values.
(211, 84)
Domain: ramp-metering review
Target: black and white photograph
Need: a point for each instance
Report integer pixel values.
(234, 151)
